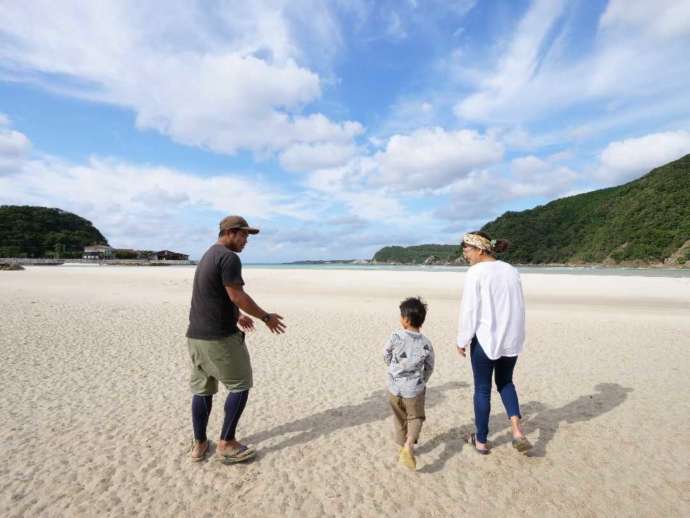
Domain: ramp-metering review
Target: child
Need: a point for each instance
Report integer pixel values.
(410, 360)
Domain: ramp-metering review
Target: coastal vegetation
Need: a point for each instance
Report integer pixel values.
(641, 222)
(646, 221)
(38, 232)
(419, 254)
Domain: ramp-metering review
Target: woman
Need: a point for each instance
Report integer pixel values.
(492, 325)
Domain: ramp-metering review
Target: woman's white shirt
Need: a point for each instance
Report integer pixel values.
(493, 309)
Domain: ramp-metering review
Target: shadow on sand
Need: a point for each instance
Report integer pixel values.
(537, 417)
(373, 408)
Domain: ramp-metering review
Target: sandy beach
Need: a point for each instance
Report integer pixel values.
(94, 419)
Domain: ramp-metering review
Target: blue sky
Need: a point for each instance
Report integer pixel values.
(336, 127)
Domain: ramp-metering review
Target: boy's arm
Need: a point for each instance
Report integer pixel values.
(388, 352)
(429, 362)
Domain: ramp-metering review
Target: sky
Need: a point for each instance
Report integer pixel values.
(336, 127)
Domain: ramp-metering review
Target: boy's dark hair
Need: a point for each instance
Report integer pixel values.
(414, 310)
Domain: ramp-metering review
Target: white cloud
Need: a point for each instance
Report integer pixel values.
(433, 158)
(352, 176)
(347, 186)
(472, 197)
(13, 144)
(517, 67)
(14, 148)
(634, 56)
(661, 18)
(394, 26)
(627, 159)
(348, 222)
(428, 162)
(533, 176)
(310, 157)
(373, 205)
(220, 76)
(408, 114)
(148, 206)
(484, 194)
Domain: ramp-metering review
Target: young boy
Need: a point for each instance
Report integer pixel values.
(410, 360)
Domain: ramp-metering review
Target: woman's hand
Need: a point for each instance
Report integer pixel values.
(461, 351)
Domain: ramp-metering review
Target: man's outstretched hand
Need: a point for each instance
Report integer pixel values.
(275, 323)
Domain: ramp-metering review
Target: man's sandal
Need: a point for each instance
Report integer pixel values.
(199, 456)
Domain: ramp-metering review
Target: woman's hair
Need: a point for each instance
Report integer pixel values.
(497, 247)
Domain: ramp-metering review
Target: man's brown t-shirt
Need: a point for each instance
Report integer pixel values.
(213, 315)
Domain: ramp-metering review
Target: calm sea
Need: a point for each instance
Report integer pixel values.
(569, 270)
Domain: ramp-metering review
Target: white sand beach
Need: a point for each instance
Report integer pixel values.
(95, 420)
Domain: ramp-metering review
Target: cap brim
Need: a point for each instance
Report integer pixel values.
(251, 230)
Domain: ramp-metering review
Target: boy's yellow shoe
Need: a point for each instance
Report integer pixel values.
(406, 458)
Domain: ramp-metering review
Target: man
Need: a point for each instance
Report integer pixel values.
(216, 344)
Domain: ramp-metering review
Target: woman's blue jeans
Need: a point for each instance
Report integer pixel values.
(482, 369)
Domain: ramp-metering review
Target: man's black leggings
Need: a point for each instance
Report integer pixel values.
(201, 410)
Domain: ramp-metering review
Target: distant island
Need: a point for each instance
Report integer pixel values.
(419, 254)
(330, 261)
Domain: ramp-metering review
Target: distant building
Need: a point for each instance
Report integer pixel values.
(167, 255)
(96, 252)
(126, 253)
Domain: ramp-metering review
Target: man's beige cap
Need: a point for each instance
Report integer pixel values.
(237, 223)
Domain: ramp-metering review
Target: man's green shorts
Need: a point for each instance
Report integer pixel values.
(225, 360)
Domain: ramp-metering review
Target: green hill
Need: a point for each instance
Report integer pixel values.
(418, 254)
(43, 232)
(644, 221)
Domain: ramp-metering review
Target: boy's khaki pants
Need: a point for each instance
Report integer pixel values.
(408, 416)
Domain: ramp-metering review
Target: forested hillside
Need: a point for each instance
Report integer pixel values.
(44, 232)
(646, 220)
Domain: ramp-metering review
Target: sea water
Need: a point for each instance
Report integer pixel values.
(567, 270)
(562, 270)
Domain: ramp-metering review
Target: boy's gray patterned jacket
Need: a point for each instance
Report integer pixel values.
(410, 360)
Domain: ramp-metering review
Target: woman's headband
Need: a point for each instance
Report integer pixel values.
(478, 241)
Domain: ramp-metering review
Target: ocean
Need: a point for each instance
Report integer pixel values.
(567, 270)
(562, 270)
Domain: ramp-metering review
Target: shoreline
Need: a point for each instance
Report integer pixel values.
(364, 262)
(576, 271)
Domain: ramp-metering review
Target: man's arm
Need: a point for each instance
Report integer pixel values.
(243, 301)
